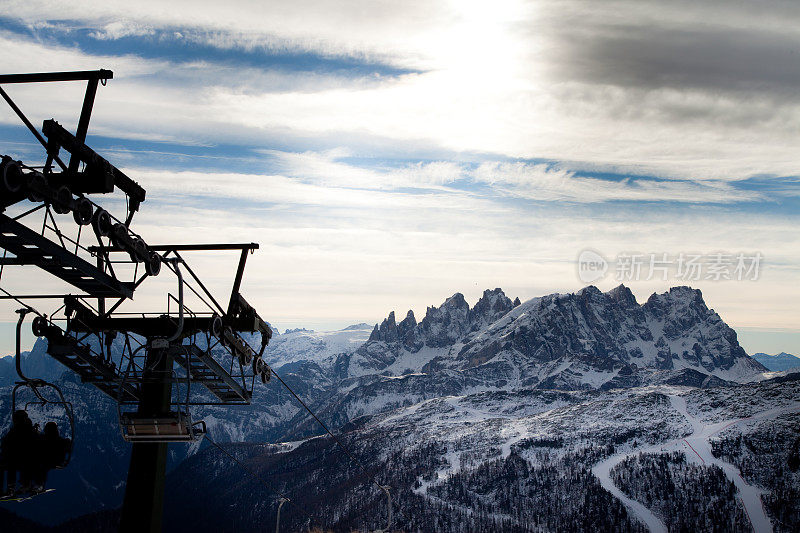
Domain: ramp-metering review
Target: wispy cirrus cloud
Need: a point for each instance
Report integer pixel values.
(119, 29)
(375, 30)
(544, 182)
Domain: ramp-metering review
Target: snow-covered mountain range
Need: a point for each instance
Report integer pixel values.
(584, 340)
(469, 410)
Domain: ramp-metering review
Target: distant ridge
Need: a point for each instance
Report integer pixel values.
(777, 363)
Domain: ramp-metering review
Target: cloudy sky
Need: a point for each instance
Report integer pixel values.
(388, 154)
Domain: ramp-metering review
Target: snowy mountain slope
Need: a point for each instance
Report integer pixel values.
(589, 339)
(583, 341)
(317, 346)
(481, 385)
(509, 461)
(766, 452)
(713, 413)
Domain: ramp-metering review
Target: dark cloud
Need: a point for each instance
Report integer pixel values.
(719, 47)
(721, 60)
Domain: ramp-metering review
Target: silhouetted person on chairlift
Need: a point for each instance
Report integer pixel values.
(17, 450)
(51, 451)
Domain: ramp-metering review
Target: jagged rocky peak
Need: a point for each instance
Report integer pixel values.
(623, 296)
(446, 324)
(491, 306)
(409, 321)
(681, 312)
(456, 301)
(387, 331)
(678, 299)
(405, 331)
(408, 333)
(681, 309)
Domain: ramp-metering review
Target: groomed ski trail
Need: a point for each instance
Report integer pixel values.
(602, 471)
(697, 444)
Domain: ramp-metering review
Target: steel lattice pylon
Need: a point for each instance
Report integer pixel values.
(147, 360)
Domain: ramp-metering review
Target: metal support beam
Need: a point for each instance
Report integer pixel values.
(160, 326)
(40, 296)
(56, 133)
(28, 124)
(101, 266)
(199, 282)
(185, 247)
(143, 505)
(237, 281)
(91, 76)
(31, 248)
(205, 370)
(83, 121)
(35, 77)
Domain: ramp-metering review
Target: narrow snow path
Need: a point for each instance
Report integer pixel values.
(602, 471)
(698, 442)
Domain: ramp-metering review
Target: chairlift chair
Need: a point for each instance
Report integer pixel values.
(35, 385)
(173, 426)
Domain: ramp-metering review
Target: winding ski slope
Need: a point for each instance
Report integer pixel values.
(694, 445)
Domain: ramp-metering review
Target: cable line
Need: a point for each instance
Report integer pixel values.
(256, 476)
(384, 488)
(321, 423)
(328, 431)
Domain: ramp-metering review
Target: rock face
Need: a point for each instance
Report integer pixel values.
(492, 305)
(35, 363)
(588, 339)
(446, 324)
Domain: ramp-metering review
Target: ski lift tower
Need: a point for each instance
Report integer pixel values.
(162, 362)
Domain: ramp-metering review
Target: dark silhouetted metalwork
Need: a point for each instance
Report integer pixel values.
(162, 362)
